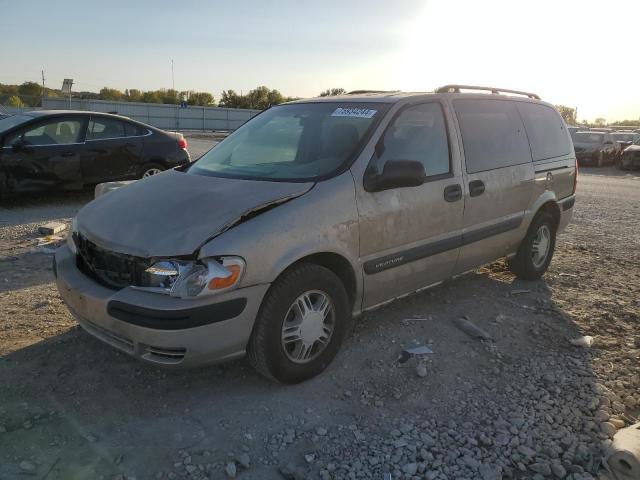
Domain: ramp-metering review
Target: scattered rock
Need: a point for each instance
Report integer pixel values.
(244, 460)
(231, 470)
(28, 467)
(608, 428)
(52, 228)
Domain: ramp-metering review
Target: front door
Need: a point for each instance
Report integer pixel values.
(409, 237)
(44, 155)
(499, 179)
(113, 149)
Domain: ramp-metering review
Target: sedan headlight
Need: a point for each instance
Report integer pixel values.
(194, 279)
(70, 240)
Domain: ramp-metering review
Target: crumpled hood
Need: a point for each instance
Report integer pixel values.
(174, 213)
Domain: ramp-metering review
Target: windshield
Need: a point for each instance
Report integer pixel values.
(295, 142)
(587, 137)
(624, 137)
(12, 121)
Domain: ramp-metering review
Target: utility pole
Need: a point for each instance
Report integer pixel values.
(42, 99)
(173, 81)
(173, 87)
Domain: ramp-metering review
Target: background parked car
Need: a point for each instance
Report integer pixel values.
(70, 149)
(595, 148)
(631, 156)
(625, 139)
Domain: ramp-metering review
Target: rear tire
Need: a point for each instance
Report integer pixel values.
(536, 250)
(273, 349)
(150, 169)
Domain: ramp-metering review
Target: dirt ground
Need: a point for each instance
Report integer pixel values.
(526, 404)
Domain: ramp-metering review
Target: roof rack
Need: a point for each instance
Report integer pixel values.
(361, 92)
(496, 91)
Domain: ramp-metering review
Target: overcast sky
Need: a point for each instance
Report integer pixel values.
(578, 53)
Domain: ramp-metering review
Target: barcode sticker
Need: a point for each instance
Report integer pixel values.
(354, 112)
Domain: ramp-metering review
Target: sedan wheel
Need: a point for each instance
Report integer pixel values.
(151, 171)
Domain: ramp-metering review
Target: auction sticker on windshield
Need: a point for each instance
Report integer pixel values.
(354, 112)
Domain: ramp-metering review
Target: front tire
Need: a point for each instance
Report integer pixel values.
(300, 325)
(536, 250)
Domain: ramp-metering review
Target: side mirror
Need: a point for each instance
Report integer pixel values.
(395, 174)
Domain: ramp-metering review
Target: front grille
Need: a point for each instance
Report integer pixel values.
(111, 269)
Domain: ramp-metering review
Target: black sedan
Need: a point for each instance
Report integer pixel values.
(70, 149)
(595, 148)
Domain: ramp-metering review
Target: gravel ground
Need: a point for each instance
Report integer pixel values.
(525, 403)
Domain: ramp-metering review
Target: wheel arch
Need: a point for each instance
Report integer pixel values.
(551, 207)
(337, 264)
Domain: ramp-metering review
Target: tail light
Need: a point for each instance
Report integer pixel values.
(182, 143)
(575, 179)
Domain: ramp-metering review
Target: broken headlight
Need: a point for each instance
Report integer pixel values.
(183, 279)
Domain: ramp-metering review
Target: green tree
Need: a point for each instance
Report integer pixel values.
(568, 114)
(134, 95)
(332, 92)
(151, 97)
(110, 94)
(200, 98)
(30, 89)
(600, 122)
(231, 99)
(169, 96)
(14, 101)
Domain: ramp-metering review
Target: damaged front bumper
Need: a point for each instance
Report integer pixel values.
(157, 328)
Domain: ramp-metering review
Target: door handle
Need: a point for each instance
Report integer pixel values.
(476, 187)
(453, 193)
(67, 154)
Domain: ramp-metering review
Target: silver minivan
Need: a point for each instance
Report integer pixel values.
(313, 212)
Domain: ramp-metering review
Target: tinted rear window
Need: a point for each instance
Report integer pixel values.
(545, 129)
(492, 134)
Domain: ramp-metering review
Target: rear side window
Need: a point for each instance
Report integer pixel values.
(132, 130)
(418, 133)
(545, 129)
(105, 128)
(492, 134)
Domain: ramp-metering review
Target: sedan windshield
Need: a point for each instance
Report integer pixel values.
(12, 121)
(295, 142)
(624, 137)
(587, 137)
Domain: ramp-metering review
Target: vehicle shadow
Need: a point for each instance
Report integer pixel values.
(71, 389)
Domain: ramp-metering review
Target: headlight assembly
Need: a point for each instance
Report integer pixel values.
(70, 240)
(183, 279)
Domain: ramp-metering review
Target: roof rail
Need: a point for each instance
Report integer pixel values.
(494, 90)
(360, 92)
